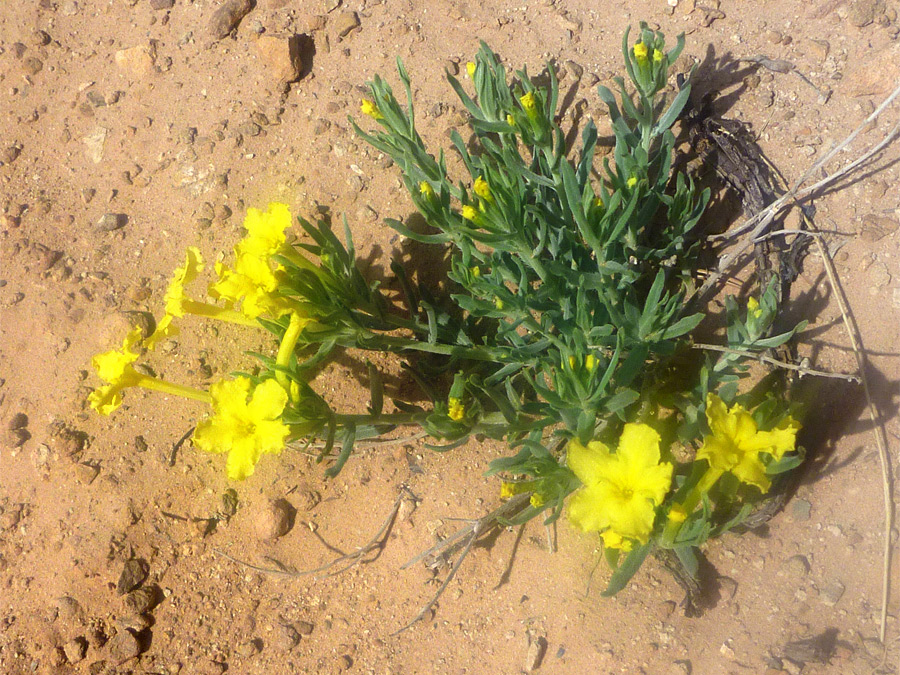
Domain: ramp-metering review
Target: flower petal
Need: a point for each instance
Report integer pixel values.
(583, 511)
(639, 446)
(268, 401)
(587, 462)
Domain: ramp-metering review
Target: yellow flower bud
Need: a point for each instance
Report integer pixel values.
(469, 212)
(498, 303)
(483, 190)
(657, 56)
(598, 203)
(572, 362)
(640, 53)
(537, 500)
(753, 308)
(426, 190)
(590, 362)
(369, 108)
(470, 68)
(529, 104)
(476, 272)
(631, 182)
(677, 514)
(510, 120)
(456, 410)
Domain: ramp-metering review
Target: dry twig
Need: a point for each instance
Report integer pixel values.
(375, 543)
(775, 362)
(468, 534)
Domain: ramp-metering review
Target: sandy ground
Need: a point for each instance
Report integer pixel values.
(129, 114)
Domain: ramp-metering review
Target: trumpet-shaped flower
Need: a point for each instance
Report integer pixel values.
(736, 442)
(265, 229)
(622, 489)
(114, 368)
(175, 297)
(246, 424)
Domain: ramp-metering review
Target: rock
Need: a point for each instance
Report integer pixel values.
(41, 38)
(800, 509)
(17, 421)
(227, 17)
(133, 622)
(537, 647)
(75, 649)
(86, 473)
(68, 442)
(284, 638)
(10, 518)
(123, 647)
(162, 4)
(281, 56)
(274, 519)
(69, 610)
(94, 144)
(819, 48)
(248, 649)
(304, 627)
(110, 222)
(10, 154)
(134, 572)
(15, 438)
(137, 61)
(32, 65)
(346, 22)
(875, 227)
(141, 600)
(862, 12)
(796, 566)
(831, 594)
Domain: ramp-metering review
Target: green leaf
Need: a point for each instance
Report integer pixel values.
(687, 555)
(627, 569)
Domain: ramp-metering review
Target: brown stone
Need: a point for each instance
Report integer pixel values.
(281, 57)
(137, 61)
(227, 17)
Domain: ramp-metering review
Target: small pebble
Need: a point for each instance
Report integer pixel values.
(800, 509)
(141, 600)
(227, 17)
(75, 649)
(109, 222)
(123, 647)
(831, 593)
(537, 647)
(274, 519)
(284, 638)
(134, 572)
(346, 22)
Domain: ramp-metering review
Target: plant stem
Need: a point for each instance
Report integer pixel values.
(157, 384)
(690, 502)
(286, 349)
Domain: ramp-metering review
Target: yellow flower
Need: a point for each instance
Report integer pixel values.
(622, 489)
(114, 368)
(612, 539)
(470, 69)
(537, 500)
(631, 182)
(640, 53)
(246, 424)
(657, 56)
(369, 108)
(498, 303)
(426, 190)
(511, 489)
(529, 104)
(265, 229)
(456, 409)
(598, 202)
(476, 271)
(572, 362)
(590, 362)
(736, 442)
(753, 308)
(175, 298)
(470, 213)
(252, 283)
(677, 514)
(510, 120)
(483, 190)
